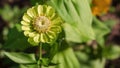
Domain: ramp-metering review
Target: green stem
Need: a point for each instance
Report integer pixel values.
(40, 56)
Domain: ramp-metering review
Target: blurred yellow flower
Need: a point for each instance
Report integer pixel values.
(100, 6)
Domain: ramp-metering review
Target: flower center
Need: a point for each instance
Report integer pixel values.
(42, 24)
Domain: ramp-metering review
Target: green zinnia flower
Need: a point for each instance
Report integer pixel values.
(41, 24)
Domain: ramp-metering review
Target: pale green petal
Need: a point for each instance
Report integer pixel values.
(44, 9)
(40, 10)
(31, 41)
(49, 11)
(32, 34)
(26, 18)
(25, 28)
(26, 33)
(44, 38)
(51, 34)
(53, 16)
(56, 29)
(57, 21)
(36, 38)
(25, 23)
(31, 12)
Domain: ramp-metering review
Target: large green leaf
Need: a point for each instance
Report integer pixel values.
(90, 1)
(78, 18)
(65, 59)
(21, 57)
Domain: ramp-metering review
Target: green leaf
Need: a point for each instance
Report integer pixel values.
(86, 61)
(110, 23)
(78, 18)
(111, 52)
(100, 30)
(16, 40)
(28, 66)
(83, 57)
(11, 14)
(45, 61)
(21, 57)
(51, 50)
(7, 13)
(65, 59)
(98, 63)
(90, 1)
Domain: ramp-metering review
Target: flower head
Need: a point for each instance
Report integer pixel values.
(41, 24)
(100, 6)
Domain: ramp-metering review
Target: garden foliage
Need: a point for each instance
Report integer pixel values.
(80, 42)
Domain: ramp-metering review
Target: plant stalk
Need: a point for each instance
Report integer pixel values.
(40, 56)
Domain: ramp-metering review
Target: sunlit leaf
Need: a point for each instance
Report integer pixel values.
(78, 18)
